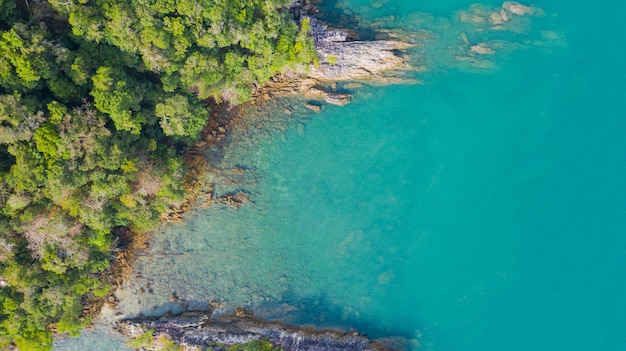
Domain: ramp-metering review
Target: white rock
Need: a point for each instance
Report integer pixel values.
(360, 60)
(517, 8)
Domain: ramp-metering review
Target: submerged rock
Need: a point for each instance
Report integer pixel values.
(337, 99)
(201, 330)
(517, 8)
(312, 107)
(482, 49)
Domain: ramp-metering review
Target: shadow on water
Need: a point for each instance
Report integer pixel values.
(318, 313)
(321, 312)
(312, 311)
(332, 11)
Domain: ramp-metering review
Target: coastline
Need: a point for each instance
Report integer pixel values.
(103, 206)
(343, 60)
(330, 83)
(199, 330)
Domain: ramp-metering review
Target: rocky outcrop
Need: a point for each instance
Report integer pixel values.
(345, 60)
(201, 330)
(359, 60)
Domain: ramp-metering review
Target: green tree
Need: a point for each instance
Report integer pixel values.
(17, 121)
(119, 97)
(93, 94)
(180, 117)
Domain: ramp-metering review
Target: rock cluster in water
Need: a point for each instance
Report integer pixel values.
(201, 330)
(478, 19)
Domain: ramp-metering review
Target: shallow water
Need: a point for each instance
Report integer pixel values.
(482, 210)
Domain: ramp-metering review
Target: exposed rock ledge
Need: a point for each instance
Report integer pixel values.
(344, 60)
(359, 60)
(200, 330)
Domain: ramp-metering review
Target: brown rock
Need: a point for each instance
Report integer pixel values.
(314, 93)
(239, 312)
(314, 108)
(337, 99)
(111, 299)
(173, 297)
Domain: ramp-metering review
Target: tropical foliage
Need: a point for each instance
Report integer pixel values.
(96, 97)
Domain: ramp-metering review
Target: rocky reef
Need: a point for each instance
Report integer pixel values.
(202, 331)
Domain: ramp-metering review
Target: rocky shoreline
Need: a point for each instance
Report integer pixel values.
(345, 63)
(343, 60)
(202, 331)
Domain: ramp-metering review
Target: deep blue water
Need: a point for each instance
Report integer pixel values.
(483, 210)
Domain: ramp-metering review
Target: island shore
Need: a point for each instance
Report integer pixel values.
(202, 331)
(344, 62)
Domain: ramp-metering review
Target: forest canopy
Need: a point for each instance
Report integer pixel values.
(96, 97)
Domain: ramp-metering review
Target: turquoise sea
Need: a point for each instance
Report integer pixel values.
(482, 210)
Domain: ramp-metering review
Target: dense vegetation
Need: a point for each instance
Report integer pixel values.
(96, 96)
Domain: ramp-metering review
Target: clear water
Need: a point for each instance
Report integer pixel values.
(483, 210)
